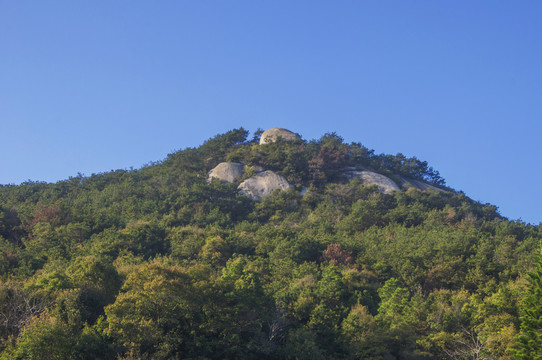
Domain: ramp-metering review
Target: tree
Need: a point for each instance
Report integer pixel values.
(365, 340)
(529, 339)
(397, 314)
(17, 308)
(44, 338)
(154, 313)
(336, 255)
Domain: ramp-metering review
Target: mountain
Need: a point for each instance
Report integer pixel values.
(270, 247)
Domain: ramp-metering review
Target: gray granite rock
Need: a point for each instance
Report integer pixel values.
(417, 184)
(226, 171)
(271, 135)
(263, 184)
(385, 184)
(257, 168)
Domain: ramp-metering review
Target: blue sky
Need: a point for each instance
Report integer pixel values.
(90, 86)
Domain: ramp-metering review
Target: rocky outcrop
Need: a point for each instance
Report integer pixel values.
(271, 135)
(226, 171)
(385, 184)
(417, 184)
(262, 184)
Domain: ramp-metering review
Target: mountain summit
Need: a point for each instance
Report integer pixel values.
(263, 182)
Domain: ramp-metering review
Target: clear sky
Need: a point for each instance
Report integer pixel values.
(90, 86)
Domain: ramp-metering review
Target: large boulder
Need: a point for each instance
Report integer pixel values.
(226, 171)
(385, 184)
(271, 135)
(417, 184)
(263, 184)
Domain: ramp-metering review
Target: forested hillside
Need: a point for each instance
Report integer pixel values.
(159, 263)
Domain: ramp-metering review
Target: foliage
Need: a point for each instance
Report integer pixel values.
(529, 339)
(157, 263)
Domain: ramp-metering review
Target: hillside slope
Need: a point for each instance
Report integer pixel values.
(166, 262)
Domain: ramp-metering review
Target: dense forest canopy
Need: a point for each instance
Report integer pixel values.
(159, 263)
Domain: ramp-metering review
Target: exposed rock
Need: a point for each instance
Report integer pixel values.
(417, 184)
(257, 168)
(262, 184)
(226, 171)
(271, 135)
(385, 184)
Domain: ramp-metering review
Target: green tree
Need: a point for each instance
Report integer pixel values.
(45, 338)
(154, 313)
(529, 339)
(365, 339)
(397, 314)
